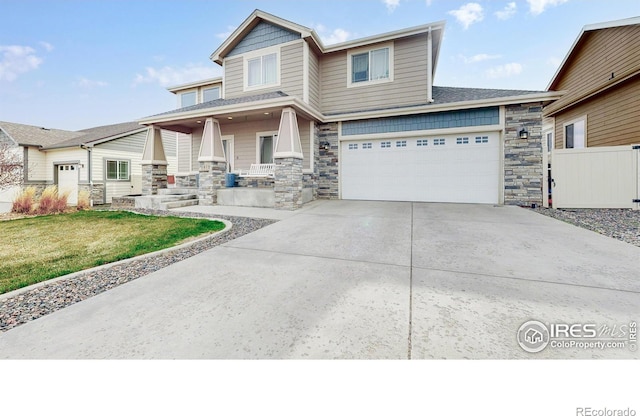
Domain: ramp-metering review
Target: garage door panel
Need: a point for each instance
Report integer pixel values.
(433, 173)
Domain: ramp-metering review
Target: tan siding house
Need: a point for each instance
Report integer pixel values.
(300, 120)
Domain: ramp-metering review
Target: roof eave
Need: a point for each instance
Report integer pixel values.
(194, 84)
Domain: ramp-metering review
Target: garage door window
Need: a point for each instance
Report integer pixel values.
(438, 142)
(353, 146)
(401, 143)
(118, 170)
(422, 142)
(366, 145)
(385, 145)
(483, 139)
(462, 140)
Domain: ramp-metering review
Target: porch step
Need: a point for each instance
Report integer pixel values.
(164, 202)
(177, 191)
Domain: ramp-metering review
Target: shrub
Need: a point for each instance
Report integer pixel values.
(23, 204)
(51, 201)
(83, 201)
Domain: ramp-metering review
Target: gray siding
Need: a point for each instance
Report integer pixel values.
(263, 36)
(132, 143)
(290, 74)
(408, 87)
(169, 143)
(184, 152)
(450, 119)
(314, 80)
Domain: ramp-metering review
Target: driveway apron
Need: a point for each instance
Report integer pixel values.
(357, 279)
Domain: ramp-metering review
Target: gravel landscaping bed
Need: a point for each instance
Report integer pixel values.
(41, 301)
(621, 224)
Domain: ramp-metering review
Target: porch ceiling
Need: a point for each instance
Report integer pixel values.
(188, 125)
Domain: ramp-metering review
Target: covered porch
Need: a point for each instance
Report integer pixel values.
(269, 147)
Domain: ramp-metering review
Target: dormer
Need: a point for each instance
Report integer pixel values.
(197, 92)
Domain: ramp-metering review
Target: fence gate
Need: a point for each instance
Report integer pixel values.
(596, 177)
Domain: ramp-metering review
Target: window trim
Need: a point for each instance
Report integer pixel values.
(180, 95)
(368, 49)
(210, 88)
(118, 161)
(258, 54)
(564, 132)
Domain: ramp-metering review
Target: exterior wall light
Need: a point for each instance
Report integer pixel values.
(524, 135)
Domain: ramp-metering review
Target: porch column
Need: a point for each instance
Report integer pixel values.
(288, 158)
(212, 163)
(154, 163)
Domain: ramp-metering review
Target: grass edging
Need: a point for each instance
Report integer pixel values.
(16, 292)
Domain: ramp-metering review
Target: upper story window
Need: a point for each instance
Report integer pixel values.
(210, 94)
(261, 69)
(575, 134)
(370, 66)
(187, 99)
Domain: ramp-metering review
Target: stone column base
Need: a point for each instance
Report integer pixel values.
(288, 183)
(212, 176)
(154, 177)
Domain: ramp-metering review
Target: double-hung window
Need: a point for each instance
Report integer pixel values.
(117, 170)
(370, 66)
(261, 70)
(187, 99)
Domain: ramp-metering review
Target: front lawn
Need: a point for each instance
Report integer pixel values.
(41, 248)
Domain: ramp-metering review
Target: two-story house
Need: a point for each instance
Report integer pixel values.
(298, 120)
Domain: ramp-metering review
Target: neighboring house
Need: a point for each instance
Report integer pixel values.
(594, 127)
(103, 161)
(299, 120)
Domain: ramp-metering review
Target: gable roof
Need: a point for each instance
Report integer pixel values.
(576, 44)
(99, 134)
(311, 37)
(26, 135)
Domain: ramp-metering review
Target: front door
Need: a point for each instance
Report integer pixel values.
(227, 145)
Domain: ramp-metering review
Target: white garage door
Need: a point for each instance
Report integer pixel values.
(68, 182)
(429, 169)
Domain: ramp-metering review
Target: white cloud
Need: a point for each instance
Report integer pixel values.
(15, 60)
(391, 4)
(47, 46)
(329, 38)
(225, 35)
(88, 84)
(504, 71)
(168, 75)
(538, 6)
(478, 58)
(468, 14)
(429, 2)
(508, 11)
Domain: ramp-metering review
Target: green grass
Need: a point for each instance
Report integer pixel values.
(40, 248)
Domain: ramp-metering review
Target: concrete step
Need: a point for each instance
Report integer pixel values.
(178, 204)
(161, 201)
(177, 191)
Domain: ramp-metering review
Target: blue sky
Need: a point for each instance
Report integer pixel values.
(79, 64)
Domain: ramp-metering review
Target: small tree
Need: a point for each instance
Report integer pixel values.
(10, 166)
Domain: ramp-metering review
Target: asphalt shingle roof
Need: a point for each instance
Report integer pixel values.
(98, 133)
(224, 102)
(36, 136)
(445, 95)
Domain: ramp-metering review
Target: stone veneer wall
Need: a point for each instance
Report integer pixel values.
(186, 181)
(154, 177)
(212, 178)
(327, 162)
(254, 182)
(523, 158)
(288, 183)
(96, 193)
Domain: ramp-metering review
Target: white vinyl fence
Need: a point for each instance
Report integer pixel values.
(596, 177)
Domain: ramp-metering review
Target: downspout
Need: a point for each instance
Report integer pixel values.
(89, 173)
(429, 66)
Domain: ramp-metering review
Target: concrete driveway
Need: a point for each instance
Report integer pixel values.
(348, 279)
